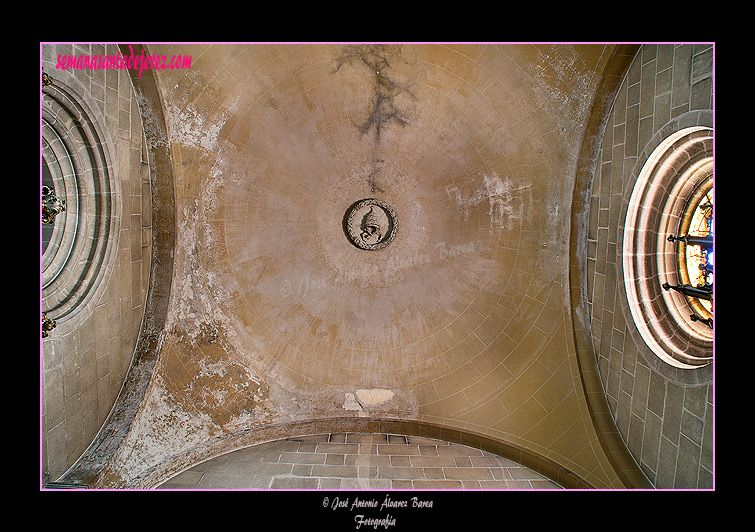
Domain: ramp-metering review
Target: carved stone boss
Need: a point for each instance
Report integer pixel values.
(371, 224)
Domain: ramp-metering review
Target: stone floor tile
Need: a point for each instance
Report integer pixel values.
(186, 480)
(367, 471)
(436, 484)
(433, 472)
(523, 473)
(421, 440)
(365, 483)
(261, 482)
(398, 449)
(544, 484)
(462, 461)
(359, 437)
(432, 461)
(302, 470)
(367, 459)
(430, 450)
(401, 460)
(295, 483)
(310, 438)
(340, 448)
(301, 458)
(468, 473)
(397, 472)
(458, 450)
(272, 470)
(331, 483)
(340, 471)
(335, 459)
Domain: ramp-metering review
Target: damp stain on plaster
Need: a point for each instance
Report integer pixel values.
(503, 198)
(199, 292)
(384, 110)
(153, 131)
(376, 60)
(201, 391)
(195, 126)
(207, 377)
(191, 127)
(193, 295)
(564, 82)
(212, 383)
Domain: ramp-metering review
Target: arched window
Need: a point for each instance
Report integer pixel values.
(80, 225)
(668, 249)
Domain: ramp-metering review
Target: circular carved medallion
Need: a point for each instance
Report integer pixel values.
(370, 224)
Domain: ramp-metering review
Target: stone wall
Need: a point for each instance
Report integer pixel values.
(664, 415)
(359, 461)
(87, 356)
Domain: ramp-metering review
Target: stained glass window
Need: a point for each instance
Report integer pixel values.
(699, 258)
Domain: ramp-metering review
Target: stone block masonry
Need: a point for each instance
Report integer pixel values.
(359, 461)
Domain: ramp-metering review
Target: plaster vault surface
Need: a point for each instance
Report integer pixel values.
(276, 319)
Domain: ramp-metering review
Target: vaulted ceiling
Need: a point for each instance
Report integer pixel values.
(265, 318)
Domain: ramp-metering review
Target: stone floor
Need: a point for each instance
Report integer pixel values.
(359, 461)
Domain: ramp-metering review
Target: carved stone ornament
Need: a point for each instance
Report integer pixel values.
(371, 224)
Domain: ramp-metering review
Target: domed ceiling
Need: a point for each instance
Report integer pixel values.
(372, 232)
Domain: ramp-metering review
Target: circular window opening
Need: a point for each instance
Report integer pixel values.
(668, 249)
(79, 203)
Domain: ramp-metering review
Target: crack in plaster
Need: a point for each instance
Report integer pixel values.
(377, 59)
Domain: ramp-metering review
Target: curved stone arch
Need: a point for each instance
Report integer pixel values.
(89, 467)
(608, 434)
(108, 477)
(636, 451)
(595, 411)
(226, 444)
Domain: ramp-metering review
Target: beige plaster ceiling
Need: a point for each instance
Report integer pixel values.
(463, 321)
